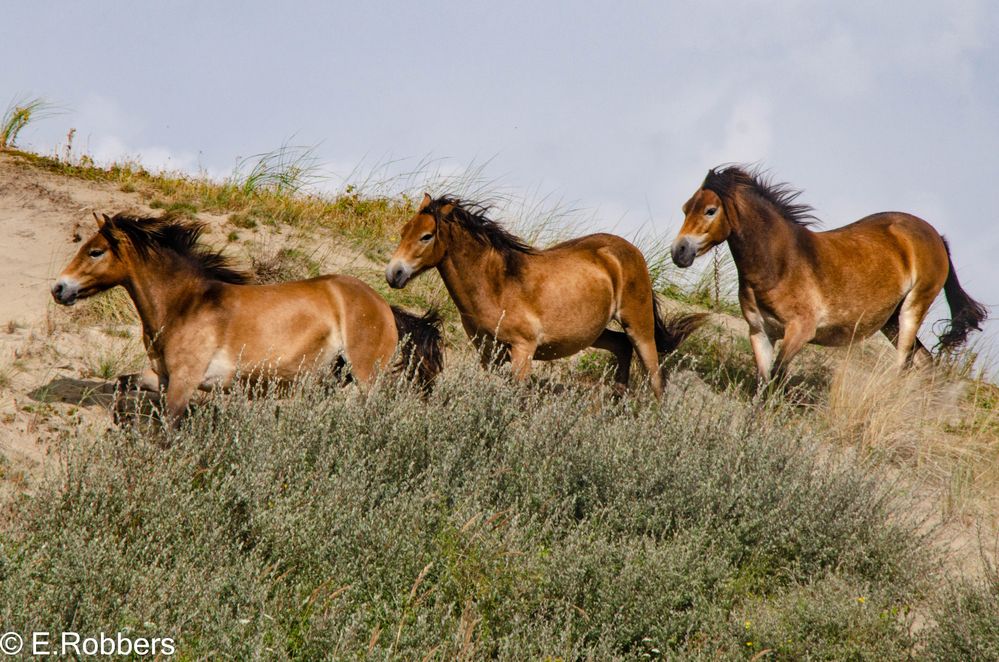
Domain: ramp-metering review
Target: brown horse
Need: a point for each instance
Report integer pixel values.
(200, 318)
(828, 288)
(525, 303)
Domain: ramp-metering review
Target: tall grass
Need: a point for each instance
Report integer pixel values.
(18, 115)
(488, 521)
(284, 171)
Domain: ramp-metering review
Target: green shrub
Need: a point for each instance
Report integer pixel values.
(967, 621)
(492, 520)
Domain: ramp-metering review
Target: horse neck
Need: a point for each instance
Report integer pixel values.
(472, 271)
(763, 242)
(159, 286)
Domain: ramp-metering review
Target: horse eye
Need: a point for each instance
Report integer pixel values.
(427, 237)
(96, 252)
(710, 211)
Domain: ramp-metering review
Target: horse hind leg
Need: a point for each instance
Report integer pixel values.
(367, 358)
(618, 344)
(637, 318)
(901, 329)
(640, 329)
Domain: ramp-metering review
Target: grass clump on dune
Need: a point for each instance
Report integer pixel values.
(18, 115)
(490, 521)
(274, 188)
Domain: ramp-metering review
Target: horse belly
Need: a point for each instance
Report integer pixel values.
(559, 350)
(838, 336)
(572, 339)
(847, 331)
(314, 351)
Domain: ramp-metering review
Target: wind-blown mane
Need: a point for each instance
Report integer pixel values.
(167, 233)
(724, 182)
(471, 217)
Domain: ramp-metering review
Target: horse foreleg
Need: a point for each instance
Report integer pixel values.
(521, 355)
(492, 353)
(762, 344)
(128, 397)
(186, 372)
(763, 353)
(178, 396)
(618, 344)
(797, 333)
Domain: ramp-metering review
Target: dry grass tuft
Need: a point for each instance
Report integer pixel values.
(933, 421)
(108, 357)
(112, 311)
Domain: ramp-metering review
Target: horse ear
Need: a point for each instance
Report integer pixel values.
(425, 203)
(100, 221)
(447, 209)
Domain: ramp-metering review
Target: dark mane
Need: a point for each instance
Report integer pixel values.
(726, 180)
(167, 233)
(472, 218)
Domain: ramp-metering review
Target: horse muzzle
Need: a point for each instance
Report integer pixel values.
(66, 292)
(684, 251)
(398, 274)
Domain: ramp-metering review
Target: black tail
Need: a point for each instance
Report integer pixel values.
(670, 333)
(421, 353)
(966, 314)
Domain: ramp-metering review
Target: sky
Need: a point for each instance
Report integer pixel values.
(617, 109)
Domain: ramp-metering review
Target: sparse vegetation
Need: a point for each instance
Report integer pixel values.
(284, 264)
(114, 356)
(6, 376)
(273, 197)
(284, 171)
(110, 311)
(488, 521)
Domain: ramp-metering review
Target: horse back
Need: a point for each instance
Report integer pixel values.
(897, 239)
(612, 256)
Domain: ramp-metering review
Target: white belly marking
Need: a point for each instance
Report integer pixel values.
(219, 371)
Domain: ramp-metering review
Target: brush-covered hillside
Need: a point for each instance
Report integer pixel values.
(854, 517)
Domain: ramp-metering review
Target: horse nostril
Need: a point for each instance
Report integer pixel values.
(57, 289)
(682, 254)
(395, 276)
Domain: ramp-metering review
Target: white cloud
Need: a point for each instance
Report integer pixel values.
(105, 149)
